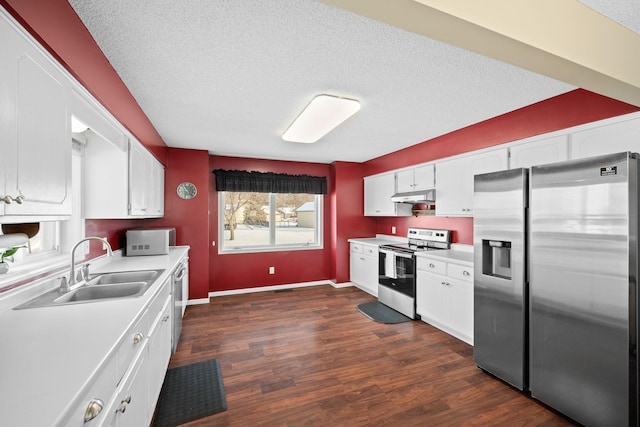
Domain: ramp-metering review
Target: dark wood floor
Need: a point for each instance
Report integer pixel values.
(307, 357)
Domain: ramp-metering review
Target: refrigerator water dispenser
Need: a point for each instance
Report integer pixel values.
(496, 258)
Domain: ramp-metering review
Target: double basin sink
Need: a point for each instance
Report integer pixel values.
(100, 287)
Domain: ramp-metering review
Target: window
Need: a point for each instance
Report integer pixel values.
(254, 221)
(44, 240)
(267, 211)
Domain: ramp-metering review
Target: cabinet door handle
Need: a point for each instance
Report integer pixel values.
(123, 404)
(9, 199)
(431, 265)
(139, 336)
(466, 273)
(94, 407)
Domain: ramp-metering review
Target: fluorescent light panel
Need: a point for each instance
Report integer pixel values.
(319, 117)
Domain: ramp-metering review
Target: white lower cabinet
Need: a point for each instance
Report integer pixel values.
(127, 389)
(444, 296)
(159, 353)
(363, 264)
(129, 407)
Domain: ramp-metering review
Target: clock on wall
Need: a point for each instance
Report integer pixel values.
(187, 190)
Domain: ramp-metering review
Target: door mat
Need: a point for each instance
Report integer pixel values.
(189, 393)
(379, 312)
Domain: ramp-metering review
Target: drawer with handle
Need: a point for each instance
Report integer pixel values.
(461, 272)
(370, 250)
(432, 266)
(356, 248)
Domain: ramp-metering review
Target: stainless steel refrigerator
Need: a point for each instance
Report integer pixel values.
(555, 286)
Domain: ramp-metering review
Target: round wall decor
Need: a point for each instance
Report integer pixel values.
(187, 190)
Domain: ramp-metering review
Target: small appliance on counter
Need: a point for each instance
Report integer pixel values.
(149, 241)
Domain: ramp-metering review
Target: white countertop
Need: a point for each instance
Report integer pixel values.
(50, 354)
(462, 254)
(380, 239)
(458, 255)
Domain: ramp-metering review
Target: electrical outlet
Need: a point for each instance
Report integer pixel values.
(393, 230)
(272, 270)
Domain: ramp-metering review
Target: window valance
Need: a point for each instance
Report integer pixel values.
(268, 182)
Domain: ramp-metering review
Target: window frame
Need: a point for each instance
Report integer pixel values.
(68, 232)
(272, 246)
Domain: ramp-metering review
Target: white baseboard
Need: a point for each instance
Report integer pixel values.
(198, 301)
(271, 288)
(342, 285)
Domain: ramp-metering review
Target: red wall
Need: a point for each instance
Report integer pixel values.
(238, 271)
(55, 24)
(347, 217)
(563, 111)
(570, 109)
(189, 217)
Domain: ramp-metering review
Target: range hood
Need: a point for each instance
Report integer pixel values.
(422, 196)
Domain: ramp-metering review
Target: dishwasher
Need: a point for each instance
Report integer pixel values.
(179, 278)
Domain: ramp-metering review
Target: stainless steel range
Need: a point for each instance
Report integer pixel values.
(397, 267)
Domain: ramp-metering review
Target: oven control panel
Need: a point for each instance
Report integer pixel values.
(430, 234)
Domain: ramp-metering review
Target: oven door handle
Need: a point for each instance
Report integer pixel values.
(390, 252)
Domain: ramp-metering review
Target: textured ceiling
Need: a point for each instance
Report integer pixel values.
(230, 76)
(625, 12)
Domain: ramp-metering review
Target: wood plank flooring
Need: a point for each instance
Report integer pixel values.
(307, 357)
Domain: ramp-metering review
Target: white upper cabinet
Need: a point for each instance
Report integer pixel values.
(146, 183)
(454, 178)
(378, 190)
(35, 129)
(415, 179)
(539, 152)
(610, 138)
(106, 178)
(122, 182)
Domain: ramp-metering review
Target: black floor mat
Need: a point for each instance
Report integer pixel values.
(381, 313)
(189, 393)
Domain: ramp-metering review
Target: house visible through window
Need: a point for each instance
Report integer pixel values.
(254, 221)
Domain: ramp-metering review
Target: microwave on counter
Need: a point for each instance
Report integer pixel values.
(149, 241)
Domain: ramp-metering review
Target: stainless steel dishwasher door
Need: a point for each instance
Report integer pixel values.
(177, 277)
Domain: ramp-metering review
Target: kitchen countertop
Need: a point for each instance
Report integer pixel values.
(50, 354)
(380, 239)
(459, 254)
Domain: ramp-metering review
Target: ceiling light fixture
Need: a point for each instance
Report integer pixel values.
(319, 117)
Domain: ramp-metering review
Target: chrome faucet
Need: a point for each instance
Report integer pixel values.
(65, 286)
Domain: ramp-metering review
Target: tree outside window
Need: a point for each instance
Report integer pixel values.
(267, 221)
